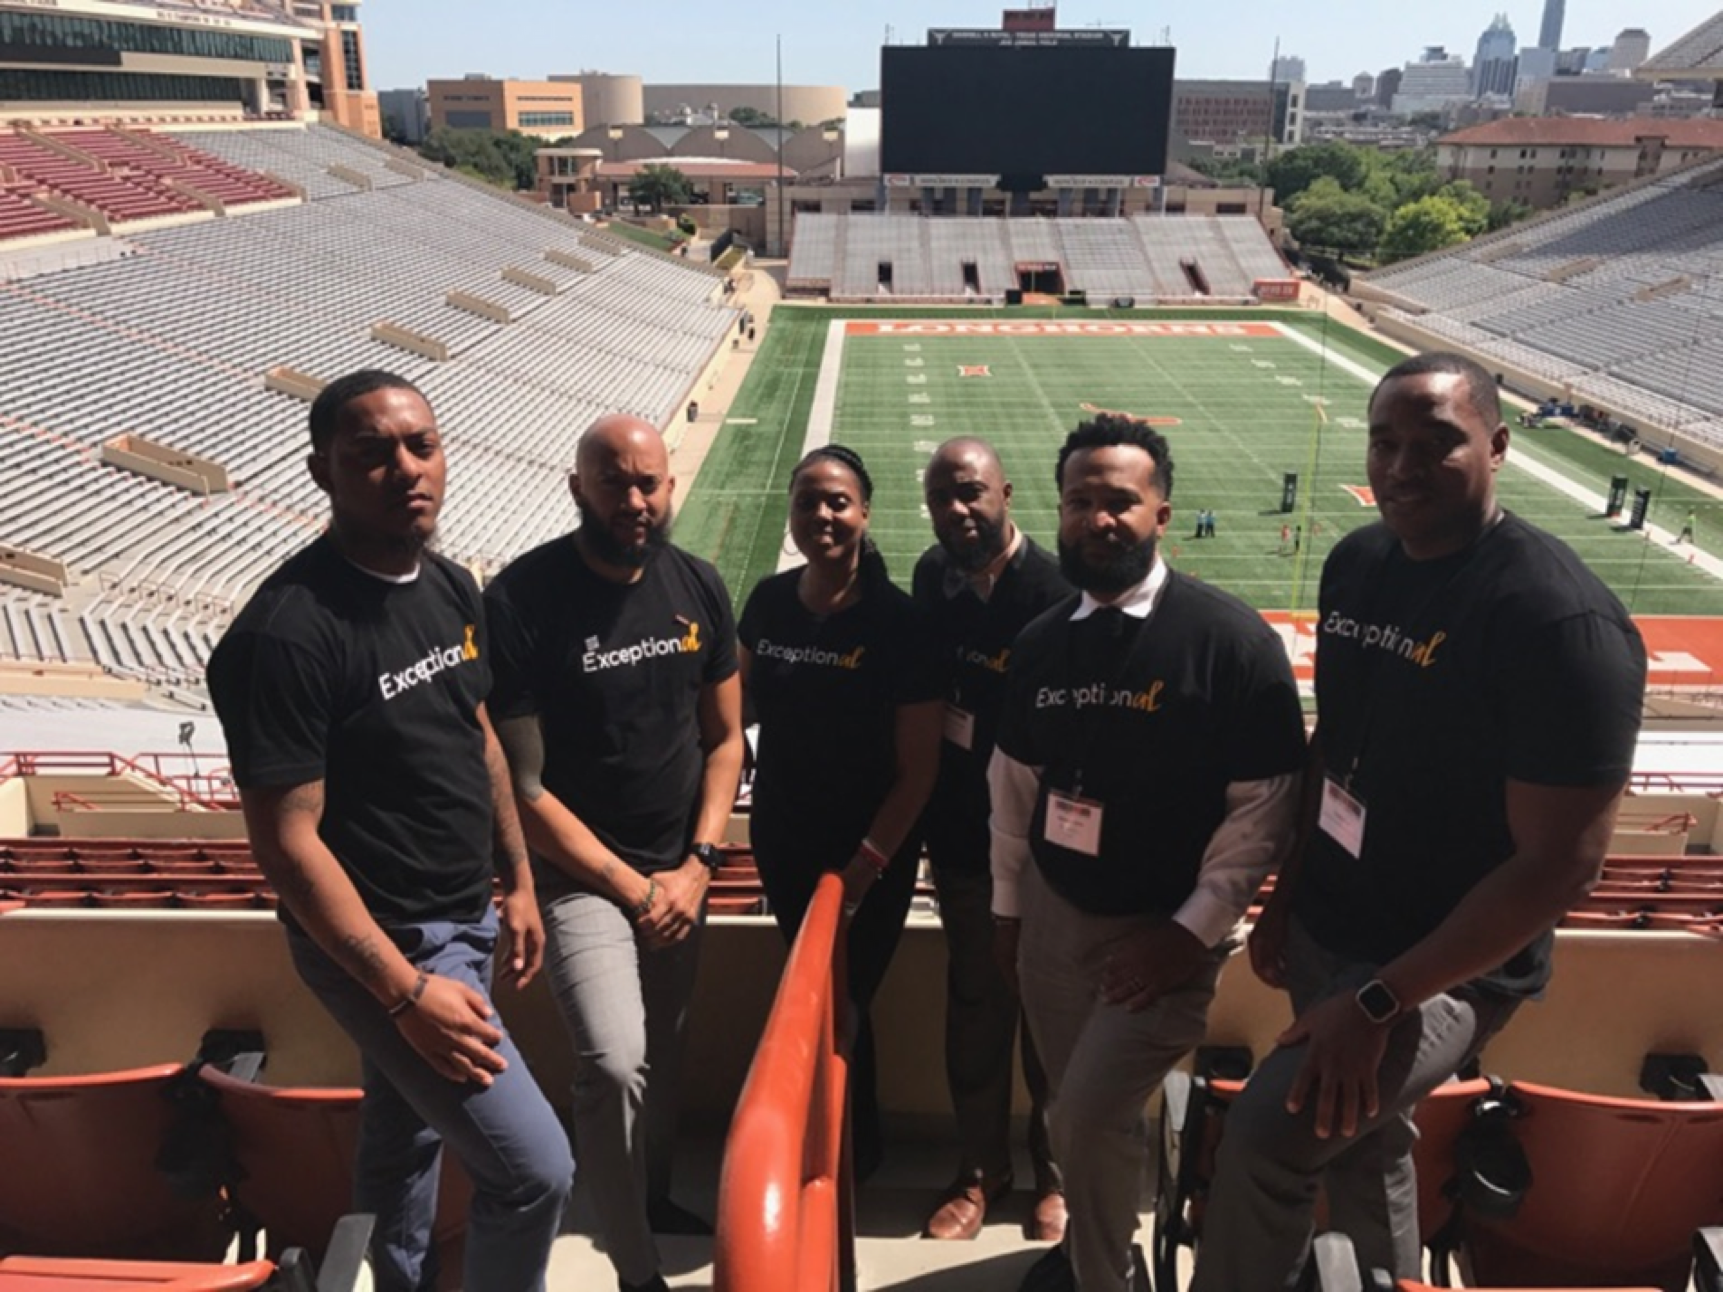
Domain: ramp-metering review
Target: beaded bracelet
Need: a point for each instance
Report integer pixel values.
(644, 905)
(871, 853)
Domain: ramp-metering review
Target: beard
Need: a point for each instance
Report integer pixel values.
(989, 543)
(609, 549)
(1129, 566)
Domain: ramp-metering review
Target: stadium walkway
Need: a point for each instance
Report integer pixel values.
(758, 292)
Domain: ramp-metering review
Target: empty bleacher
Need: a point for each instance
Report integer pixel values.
(173, 341)
(1618, 302)
(1146, 258)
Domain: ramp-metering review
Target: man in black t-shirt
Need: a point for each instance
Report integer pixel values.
(981, 583)
(619, 703)
(1478, 695)
(1143, 783)
(351, 689)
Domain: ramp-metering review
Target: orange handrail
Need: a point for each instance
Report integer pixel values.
(786, 1217)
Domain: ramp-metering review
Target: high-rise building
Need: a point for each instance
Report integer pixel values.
(1288, 67)
(1535, 64)
(1363, 86)
(1549, 31)
(1436, 82)
(1493, 67)
(1387, 86)
(1631, 48)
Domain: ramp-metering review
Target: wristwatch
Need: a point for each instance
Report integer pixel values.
(709, 855)
(1378, 1001)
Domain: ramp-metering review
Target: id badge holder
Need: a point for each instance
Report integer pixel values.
(1074, 823)
(960, 727)
(1342, 816)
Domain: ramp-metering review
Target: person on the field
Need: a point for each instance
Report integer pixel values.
(351, 689)
(1478, 696)
(1143, 782)
(980, 583)
(618, 700)
(847, 681)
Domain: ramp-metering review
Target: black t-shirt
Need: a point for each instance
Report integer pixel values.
(1153, 720)
(826, 691)
(335, 675)
(978, 636)
(1437, 682)
(614, 672)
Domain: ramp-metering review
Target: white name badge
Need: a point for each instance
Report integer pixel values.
(1073, 823)
(1342, 818)
(960, 727)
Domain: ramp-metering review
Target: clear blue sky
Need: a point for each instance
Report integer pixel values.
(827, 43)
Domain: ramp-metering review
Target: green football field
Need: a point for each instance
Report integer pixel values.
(1241, 401)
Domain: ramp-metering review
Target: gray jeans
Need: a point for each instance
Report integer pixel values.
(1257, 1229)
(626, 1007)
(1103, 1064)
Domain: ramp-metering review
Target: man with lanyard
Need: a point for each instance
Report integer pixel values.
(1478, 697)
(351, 690)
(981, 583)
(619, 703)
(1144, 782)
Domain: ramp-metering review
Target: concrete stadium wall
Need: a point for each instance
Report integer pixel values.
(115, 989)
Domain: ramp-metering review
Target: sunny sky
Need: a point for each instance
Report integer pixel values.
(410, 41)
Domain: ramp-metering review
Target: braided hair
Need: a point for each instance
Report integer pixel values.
(871, 571)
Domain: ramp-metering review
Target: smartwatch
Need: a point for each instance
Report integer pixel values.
(709, 855)
(1378, 1001)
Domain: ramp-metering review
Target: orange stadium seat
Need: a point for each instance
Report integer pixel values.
(1618, 1189)
(51, 1274)
(78, 1173)
(1194, 1119)
(292, 1164)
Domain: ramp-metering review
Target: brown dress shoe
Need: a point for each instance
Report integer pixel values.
(1047, 1221)
(963, 1208)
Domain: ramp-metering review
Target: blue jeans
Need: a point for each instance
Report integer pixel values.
(507, 1136)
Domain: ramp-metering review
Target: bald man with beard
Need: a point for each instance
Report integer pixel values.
(981, 583)
(619, 705)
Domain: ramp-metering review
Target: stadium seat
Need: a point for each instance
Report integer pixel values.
(340, 1271)
(79, 1174)
(292, 1165)
(1618, 1188)
(1335, 1269)
(1194, 1119)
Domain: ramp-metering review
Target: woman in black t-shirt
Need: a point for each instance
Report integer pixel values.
(845, 679)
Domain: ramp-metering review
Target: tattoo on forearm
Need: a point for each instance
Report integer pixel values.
(363, 958)
(509, 842)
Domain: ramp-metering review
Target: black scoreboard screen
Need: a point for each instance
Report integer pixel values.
(1023, 110)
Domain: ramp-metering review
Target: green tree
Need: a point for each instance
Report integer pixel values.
(505, 158)
(1298, 168)
(658, 186)
(1328, 217)
(1228, 170)
(746, 116)
(1506, 212)
(1473, 205)
(1429, 224)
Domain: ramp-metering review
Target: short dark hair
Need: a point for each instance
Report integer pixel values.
(326, 409)
(1110, 430)
(1481, 391)
(843, 456)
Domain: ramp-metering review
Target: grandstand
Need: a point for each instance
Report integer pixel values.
(520, 324)
(1617, 303)
(1148, 258)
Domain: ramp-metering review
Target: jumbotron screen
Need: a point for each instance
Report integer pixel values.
(1018, 112)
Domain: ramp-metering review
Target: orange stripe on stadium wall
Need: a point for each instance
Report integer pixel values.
(1682, 652)
(1006, 327)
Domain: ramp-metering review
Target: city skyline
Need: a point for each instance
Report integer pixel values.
(411, 41)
